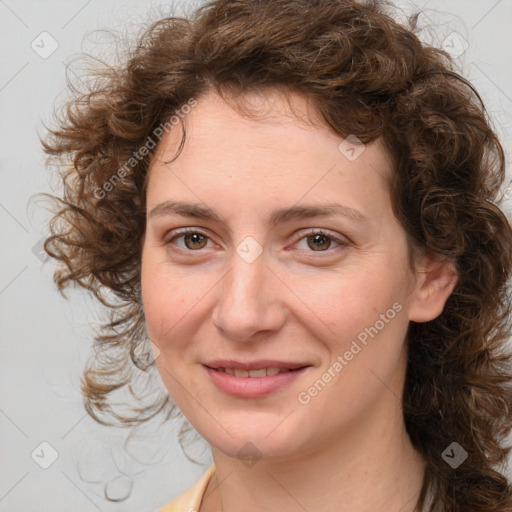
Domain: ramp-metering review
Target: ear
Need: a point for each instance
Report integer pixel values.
(436, 277)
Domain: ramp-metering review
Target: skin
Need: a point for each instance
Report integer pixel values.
(347, 448)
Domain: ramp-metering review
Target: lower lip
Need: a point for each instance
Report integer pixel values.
(252, 387)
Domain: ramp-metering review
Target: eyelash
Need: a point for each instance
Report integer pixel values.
(341, 243)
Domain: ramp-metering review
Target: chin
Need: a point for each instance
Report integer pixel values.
(257, 441)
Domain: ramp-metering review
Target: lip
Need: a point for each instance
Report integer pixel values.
(254, 365)
(254, 387)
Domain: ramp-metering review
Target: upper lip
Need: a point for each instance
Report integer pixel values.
(254, 365)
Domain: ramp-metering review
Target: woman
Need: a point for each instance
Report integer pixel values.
(296, 200)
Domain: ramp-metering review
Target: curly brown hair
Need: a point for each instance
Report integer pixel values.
(367, 75)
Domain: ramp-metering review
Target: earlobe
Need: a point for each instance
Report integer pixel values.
(435, 281)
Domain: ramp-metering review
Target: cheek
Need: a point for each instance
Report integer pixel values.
(156, 297)
(172, 300)
(342, 304)
(163, 309)
(365, 314)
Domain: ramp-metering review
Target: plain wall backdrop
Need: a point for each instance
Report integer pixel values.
(46, 340)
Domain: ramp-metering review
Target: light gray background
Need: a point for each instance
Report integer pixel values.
(47, 340)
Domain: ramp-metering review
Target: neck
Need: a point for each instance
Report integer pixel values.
(370, 465)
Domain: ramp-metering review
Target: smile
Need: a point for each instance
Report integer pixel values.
(255, 383)
(262, 372)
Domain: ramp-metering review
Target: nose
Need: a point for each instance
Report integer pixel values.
(249, 300)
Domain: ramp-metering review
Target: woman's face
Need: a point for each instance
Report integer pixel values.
(293, 261)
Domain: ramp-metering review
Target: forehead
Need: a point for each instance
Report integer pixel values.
(268, 144)
(258, 115)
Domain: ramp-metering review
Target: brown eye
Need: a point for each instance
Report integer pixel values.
(188, 240)
(319, 242)
(194, 240)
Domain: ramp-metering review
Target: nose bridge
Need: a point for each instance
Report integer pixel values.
(246, 303)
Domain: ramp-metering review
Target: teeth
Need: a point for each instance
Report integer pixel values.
(258, 373)
(261, 372)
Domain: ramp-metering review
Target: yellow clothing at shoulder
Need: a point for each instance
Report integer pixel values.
(190, 500)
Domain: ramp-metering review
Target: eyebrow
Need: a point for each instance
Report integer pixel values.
(280, 215)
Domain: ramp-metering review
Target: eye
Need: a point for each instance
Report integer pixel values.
(319, 240)
(193, 240)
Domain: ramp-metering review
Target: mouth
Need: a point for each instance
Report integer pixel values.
(253, 380)
(256, 373)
